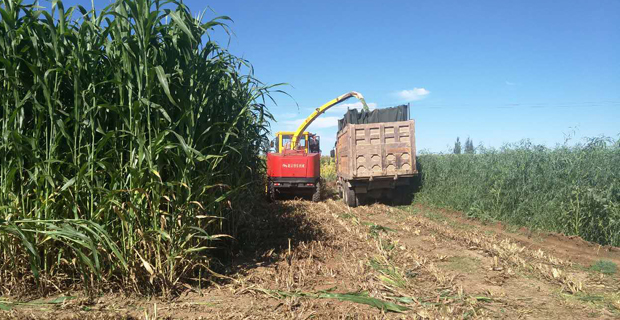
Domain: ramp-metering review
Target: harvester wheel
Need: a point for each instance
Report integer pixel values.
(271, 192)
(316, 196)
(349, 196)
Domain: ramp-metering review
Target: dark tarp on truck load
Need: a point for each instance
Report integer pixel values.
(353, 116)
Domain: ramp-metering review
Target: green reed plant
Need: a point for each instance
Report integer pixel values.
(570, 189)
(127, 138)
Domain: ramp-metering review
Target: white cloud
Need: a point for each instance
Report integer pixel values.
(413, 94)
(320, 123)
(508, 83)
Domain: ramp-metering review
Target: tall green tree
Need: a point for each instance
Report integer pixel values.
(469, 146)
(457, 146)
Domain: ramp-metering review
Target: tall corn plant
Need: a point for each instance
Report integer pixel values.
(127, 139)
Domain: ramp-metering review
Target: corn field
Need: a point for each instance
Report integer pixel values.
(574, 190)
(128, 138)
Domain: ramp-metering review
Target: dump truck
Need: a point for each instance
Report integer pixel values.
(376, 156)
(294, 166)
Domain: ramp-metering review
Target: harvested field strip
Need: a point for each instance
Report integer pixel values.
(511, 260)
(326, 260)
(505, 252)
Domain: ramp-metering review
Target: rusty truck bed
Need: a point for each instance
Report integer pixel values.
(376, 150)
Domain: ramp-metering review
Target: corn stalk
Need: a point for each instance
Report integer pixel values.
(127, 138)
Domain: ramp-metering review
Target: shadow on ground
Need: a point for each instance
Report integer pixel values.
(272, 229)
(331, 192)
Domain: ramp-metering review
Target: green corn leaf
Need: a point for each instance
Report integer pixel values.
(163, 81)
(181, 23)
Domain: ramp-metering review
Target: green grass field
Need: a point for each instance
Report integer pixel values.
(574, 190)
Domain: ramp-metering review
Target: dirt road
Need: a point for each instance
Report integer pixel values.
(304, 260)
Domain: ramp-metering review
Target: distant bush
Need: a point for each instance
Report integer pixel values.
(570, 189)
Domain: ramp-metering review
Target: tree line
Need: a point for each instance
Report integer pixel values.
(467, 149)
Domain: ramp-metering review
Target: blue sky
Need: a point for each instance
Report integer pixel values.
(496, 71)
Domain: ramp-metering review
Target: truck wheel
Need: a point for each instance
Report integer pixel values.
(403, 195)
(360, 199)
(349, 196)
(316, 196)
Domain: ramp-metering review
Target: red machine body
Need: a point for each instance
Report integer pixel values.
(294, 164)
(294, 172)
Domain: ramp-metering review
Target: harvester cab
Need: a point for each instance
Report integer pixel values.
(294, 166)
(308, 142)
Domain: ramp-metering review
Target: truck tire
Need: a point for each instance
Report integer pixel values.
(360, 199)
(316, 196)
(349, 196)
(403, 195)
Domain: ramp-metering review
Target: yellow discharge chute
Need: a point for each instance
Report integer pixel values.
(320, 110)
